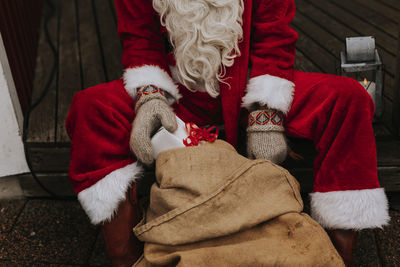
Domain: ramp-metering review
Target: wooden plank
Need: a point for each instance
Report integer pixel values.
(388, 152)
(387, 116)
(69, 79)
(109, 39)
(92, 65)
(304, 64)
(318, 34)
(49, 159)
(56, 159)
(391, 3)
(396, 109)
(381, 131)
(389, 178)
(394, 200)
(43, 130)
(388, 86)
(114, 10)
(57, 183)
(309, 48)
(368, 14)
(336, 28)
(381, 9)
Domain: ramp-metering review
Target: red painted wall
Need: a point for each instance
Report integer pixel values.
(19, 24)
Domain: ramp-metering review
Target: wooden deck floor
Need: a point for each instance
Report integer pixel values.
(88, 52)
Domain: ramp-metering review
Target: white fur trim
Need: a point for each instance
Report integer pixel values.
(352, 209)
(275, 92)
(149, 74)
(101, 200)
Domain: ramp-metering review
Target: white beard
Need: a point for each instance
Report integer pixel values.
(205, 36)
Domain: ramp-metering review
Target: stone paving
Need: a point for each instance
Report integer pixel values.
(47, 232)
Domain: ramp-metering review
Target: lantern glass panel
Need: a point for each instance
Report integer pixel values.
(361, 75)
(370, 76)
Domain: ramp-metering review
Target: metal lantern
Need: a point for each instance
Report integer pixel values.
(361, 61)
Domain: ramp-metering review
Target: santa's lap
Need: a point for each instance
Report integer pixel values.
(335, 112)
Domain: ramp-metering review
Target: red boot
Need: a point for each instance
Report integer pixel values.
(122, 246)
(344, 242)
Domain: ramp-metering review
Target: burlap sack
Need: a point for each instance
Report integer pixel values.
(210, 206)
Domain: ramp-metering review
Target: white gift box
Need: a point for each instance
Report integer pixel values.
(163, 140)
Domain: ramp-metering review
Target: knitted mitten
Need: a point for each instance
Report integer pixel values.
(152, 112)
(265, 136)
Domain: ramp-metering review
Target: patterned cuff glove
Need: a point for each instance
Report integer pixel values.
(152, 112)
(265, 136)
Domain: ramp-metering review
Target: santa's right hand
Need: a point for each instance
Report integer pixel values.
(152, 112)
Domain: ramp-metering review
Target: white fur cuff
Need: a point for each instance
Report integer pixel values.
(101, 200)
(275, 92)
(352, 209)
(146, 75)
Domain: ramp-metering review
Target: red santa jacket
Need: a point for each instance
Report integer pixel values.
(267, 49)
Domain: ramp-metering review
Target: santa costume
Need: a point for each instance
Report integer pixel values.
(254, 77)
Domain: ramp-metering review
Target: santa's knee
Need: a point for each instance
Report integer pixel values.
(350, 96)
(83, 106)
(95, 96)
(108, 100)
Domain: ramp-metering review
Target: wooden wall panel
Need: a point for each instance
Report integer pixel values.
(396, 110)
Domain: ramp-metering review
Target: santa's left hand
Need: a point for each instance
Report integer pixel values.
(265, 136)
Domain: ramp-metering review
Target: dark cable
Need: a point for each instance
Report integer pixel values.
(48, 16)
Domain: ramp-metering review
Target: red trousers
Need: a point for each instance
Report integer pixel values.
(335, 112)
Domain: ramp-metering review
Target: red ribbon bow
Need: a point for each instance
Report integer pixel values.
(197, 134)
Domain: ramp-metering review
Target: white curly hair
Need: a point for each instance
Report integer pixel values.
(205, 36)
